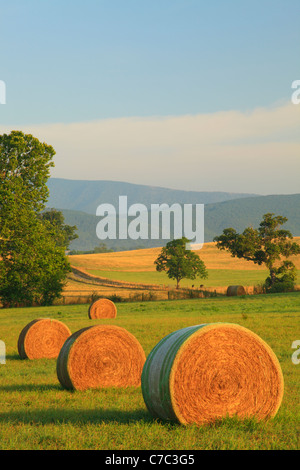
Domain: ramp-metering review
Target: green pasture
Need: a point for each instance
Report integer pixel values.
(37, 413)
(216, 277)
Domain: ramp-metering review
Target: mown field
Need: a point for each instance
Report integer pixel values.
(37, 413)
(137, 267)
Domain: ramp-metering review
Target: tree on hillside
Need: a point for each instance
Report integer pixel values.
(266, 245)
(32, 265)
(180, 263)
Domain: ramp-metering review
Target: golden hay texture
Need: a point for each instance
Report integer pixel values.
(100, 356)
(102, 308)
(206, 372)
(42, 338)
(236, 290)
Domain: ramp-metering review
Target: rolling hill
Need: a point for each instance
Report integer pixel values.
(129, 273)
(86, 196)
(78, 200)
(238, 214)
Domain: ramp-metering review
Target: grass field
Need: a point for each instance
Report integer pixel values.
(137, 267)
(217, 277)
(37, 413)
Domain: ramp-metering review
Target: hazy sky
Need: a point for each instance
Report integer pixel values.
(186, 94)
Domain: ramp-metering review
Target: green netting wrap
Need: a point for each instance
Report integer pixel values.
(210, 371)
(156, 373)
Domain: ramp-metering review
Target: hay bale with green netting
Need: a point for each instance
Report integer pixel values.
(100, 356)
(207, 372)
(236, 290)
(102, 308)
(42, 338)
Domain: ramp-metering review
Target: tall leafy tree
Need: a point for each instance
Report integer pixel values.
(65, 234)
(269, 244)
(25, 165)
(33, 267)
(180, 263)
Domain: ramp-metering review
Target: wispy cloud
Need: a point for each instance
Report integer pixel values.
(257, 151)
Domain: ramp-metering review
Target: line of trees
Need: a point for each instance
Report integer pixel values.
(100, 248)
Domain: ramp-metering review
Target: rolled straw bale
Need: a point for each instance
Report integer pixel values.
(100, 356)
(42, 338)
(102, 308)
(206, 372)
(236, 290)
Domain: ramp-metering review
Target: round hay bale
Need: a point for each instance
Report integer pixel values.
(42, 338)
(102, 308)
(100, 356)
(206, 372)
(236, 290)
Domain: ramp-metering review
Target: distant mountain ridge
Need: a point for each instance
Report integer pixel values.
(239, 212)
(86, 196)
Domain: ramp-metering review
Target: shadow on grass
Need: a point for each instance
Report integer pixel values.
(66, 414)
(75, 417)
(30, 388)
(13, 357)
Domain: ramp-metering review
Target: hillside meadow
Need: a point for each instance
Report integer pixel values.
(37, 413)
(137, 267)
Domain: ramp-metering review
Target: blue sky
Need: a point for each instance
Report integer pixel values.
(108, 62)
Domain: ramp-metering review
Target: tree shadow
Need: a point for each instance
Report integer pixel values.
(72, 416)
(30, 388)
